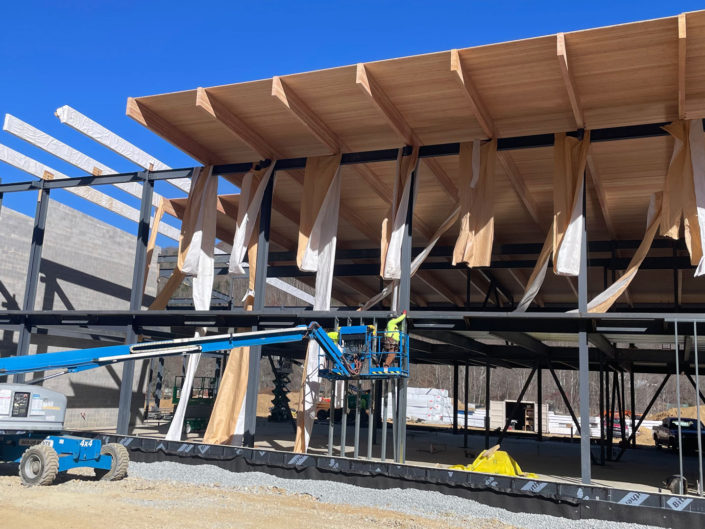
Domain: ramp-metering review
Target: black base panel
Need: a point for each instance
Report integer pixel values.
(513, 494)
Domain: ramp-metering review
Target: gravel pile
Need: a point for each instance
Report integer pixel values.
(408, 501)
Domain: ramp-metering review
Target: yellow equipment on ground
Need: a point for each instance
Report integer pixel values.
(495, 461)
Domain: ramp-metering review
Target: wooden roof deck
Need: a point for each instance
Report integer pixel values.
(640, 73)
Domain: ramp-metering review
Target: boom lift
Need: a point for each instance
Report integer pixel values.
(32, 417)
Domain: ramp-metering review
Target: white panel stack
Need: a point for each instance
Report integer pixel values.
(430, 405)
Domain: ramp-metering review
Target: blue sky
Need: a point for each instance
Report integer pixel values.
(92, 55)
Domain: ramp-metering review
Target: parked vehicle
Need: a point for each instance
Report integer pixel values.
(666, 434)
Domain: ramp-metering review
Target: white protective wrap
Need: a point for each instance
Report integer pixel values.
(416, 263)
(568, 258)
(652, 220)
(392, 264)
(319, 257)
(40, 139)
(33, 167)
(246, 219)
(697, 159)
(198, 262)
(85, 125)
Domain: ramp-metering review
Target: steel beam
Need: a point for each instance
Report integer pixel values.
(516, 406)
(138, 275)
(645, 413)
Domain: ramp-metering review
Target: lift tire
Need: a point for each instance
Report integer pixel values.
(120, 460)
(39, 465)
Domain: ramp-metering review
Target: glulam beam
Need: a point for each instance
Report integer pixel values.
(152, 120)
(569, 81)
(216, 109)
(463, 79)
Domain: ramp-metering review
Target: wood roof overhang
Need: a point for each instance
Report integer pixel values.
(648, 72)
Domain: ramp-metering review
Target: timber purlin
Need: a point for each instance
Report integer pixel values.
(511, 493)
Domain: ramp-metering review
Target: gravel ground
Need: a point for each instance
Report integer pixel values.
(409, 501)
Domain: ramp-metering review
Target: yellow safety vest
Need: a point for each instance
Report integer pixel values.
(393, 328)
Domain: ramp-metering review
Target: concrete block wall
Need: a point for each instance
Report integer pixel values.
(86, 264)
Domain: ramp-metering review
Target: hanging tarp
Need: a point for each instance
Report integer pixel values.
(395, 220)
(254, 184)
(684, 189)
(537, 275)
(318, 230)
(477, 165)
(417, 262)
(603, 301)
(569, 159)
(196, 259)
(152, 242)
(227, 421)
(565, 235)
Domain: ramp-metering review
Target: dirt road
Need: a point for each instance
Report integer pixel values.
(83, 503)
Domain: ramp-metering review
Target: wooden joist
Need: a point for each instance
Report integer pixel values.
(159, 125)
(519, 184)
(569, 81)
(305, 115)
(682, 45)
(440, 287)
(594, 175)
(475, 102)
(215, 108)
(326, 136)
(377, 96)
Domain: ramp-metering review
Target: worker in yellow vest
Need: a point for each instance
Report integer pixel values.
(392, 338)
(334, 334)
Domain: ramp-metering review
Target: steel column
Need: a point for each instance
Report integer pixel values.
(455, 398)
(465, 415)
(633, 403)
(331, 419)
(356, 441)
(697, 403)
(622, 407)
(395, 418)
(385, 403)
(602, 410)
(265, 216)
(344, 421)
(487, 404)
(401, 431)
(539, 400)
(35, 259)
(138, 276)
(371, 426)
(583, 354)
(678, 405)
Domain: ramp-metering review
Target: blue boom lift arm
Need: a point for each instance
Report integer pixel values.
(338, 356)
